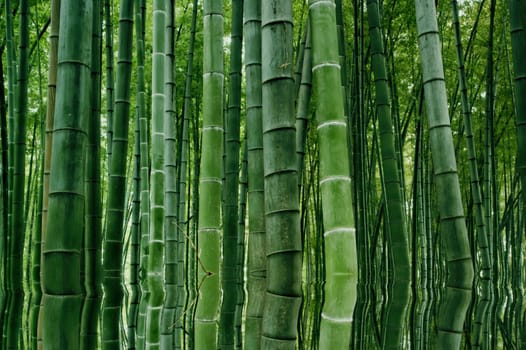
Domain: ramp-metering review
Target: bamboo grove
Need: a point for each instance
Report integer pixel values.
(262, 174)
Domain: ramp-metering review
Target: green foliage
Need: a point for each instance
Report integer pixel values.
(391, 144)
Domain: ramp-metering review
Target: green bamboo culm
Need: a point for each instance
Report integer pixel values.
(135, 236)
(113, 240)
(61, 264)
(256, 257)
(303, 106)
(518, 44)
(50, 110)
(240, 265)
(399, 271)
(110, 86)
(453, 233)
(181, 293)
(36, 287)
(210, 180)
(140, 15)
(283, 241)
(11, 102)
(170, 186)
(3, 208)
(137, 281)
(341, 266)
(156, 240)
(231, 186)
(517, 10)
(93, 228)
(17, 229)
(483, 299)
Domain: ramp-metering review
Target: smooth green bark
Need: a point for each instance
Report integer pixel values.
(399, 272)
(256, 258)
(135, 237)
(93, 228)
(231, 186)
(283, 238)
(518, 44)
(181, 293)
(61, 264)
(156, 239)
(210, 180)
(170, 186)
(341, 266)
(4, 201)
(303, 107)
(517, 10)
(113, 240)
(453, 233)
(17, 229)
(140, 15)
(50, 112)
(484, 265)
(140, 178)
(110, 85)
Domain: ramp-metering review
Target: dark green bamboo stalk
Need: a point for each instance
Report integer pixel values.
(283, 242)
(453, 234)
(419, 247)
(170, 185)
(302, 108)
(399, 277)
(4, 201)
(256, 258)
(210, 179)
(340, 26)
(243, 187)
(113, 240)
(110, 86)
(140, 16)
(50, 111)
(17, 230)
(518, 45)
(61, 264)
(182, 205)
(357, 123)
(482, 277)
(156, 238)
(11, 107)
(341, 266)
(33, 269)
(135, 294)
(192, 229)
(231, 186)
(39, 233)
(138, 301)
(93, 229)
(183, 188)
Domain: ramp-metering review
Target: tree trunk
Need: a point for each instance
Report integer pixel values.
(61, 263)
(453, 234)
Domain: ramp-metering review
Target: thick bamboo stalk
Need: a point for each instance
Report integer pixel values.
(156, 239)
(453, 233)
(341, 266)
(256, 259)
(399, 277)
(61, 264)
(210, 180)
(231, 185)
(113, 240)
(283, 241)
(93, 230)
